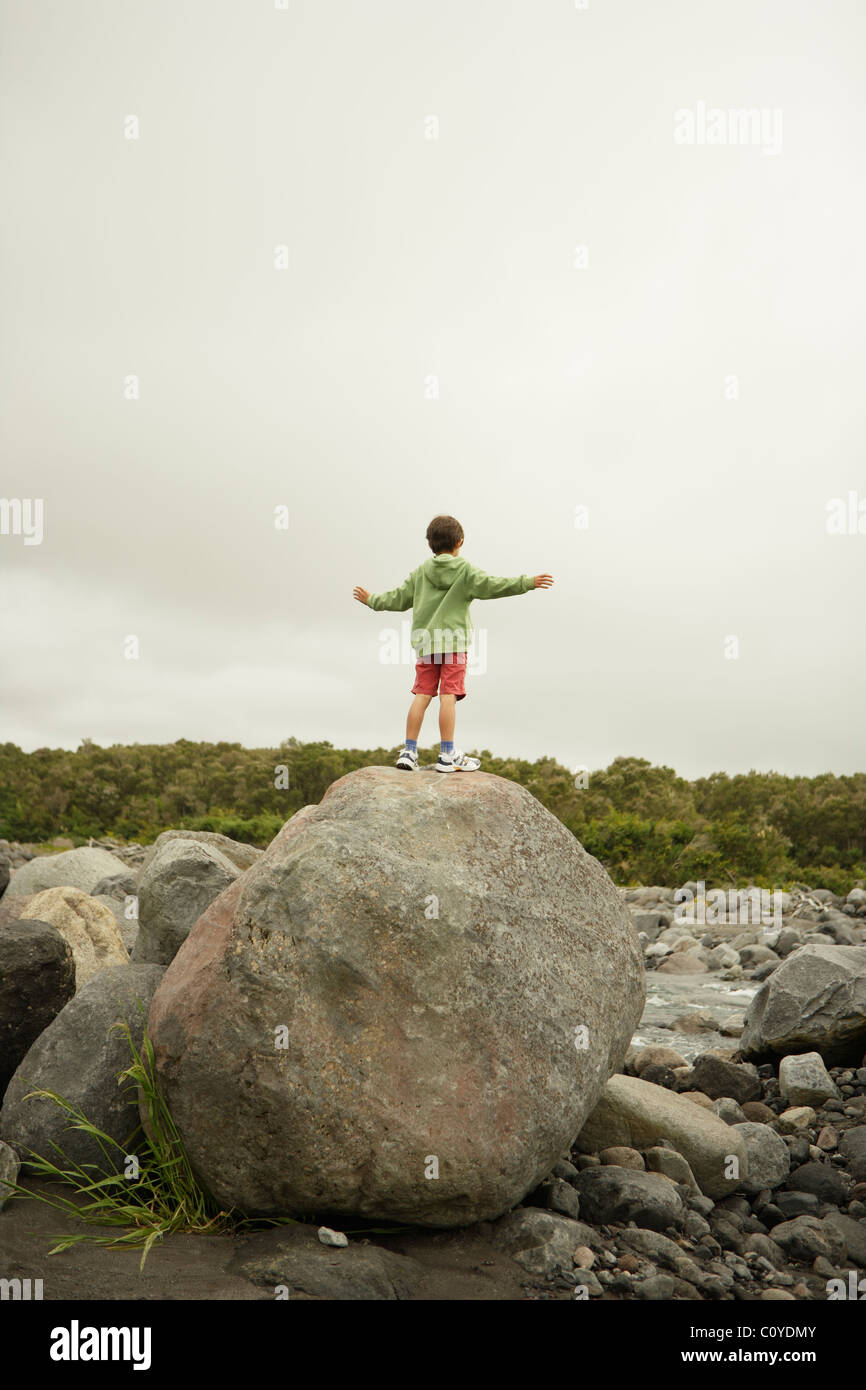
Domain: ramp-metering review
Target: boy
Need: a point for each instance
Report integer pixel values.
(440, 592)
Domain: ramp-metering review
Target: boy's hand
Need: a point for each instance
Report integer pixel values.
(360, 594)
(543, 581)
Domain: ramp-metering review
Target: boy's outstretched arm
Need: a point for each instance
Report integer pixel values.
(483, 585)
(395, 600)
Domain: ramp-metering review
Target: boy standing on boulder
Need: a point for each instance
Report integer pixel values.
(439, 592)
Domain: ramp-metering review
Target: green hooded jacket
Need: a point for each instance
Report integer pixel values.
(439, 593)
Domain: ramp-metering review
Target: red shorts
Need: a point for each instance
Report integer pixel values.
(443, 671)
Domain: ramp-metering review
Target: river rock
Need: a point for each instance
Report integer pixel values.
(852, 1146)
(79, 1056)
(804, 1080)
(807, 1237)
(619, 1195)
(37, 977)
(336, 1028)
(119, 886)
(90, 929)
(243, 856)
(179, 880)
(815, 1001)
(825, 1182)
(540, 1241)
(716, 1078)
(769, 1157)
(75, 868)
(637, 1114)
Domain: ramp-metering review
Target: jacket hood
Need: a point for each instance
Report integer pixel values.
(442, 570)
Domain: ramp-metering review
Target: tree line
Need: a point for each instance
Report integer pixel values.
(644, 823)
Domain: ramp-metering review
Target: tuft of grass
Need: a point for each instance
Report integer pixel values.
(165, 1196)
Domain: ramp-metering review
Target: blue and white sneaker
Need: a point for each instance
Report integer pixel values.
(408, 760)
(456, 762)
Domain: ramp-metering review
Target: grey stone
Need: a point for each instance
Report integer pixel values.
(482, 1036)
(655, 1246)
(243, 856)
(806, 1238)
(293, 1258)
(815, 1001)
(825, 1182)
(75, 868)
(769, 1158)
(852, 1147)
(37, 977)
(635, 1113)
(766, 1247)
(558, 1195)
(178, 883)
(716, 1078)
(540, 1241)
(656, 1287)
(79, 1056)
(671, 1165)
(118, 886)
(9, 1167)
(611, 1196)
(728, 1110)
(852, 1232)
(804, 1080)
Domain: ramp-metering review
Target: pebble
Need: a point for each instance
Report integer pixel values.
(329, 1237)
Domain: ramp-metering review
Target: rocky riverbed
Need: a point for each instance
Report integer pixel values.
(725, 1160)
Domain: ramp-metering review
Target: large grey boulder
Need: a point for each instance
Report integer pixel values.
(815, 1001)
(404, 1009)
(180, 879)
(637, 1113)
(74, 868)
(79, 1056)
(37, 977)
(90, 929)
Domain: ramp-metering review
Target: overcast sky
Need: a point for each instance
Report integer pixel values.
(527, 270)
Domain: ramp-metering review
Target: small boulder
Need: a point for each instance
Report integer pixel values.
(716, 1078)
(618, 1195)
(79, 1056)
(37, 977)
(76, 868)
(804, 1080)
(769, 1157)
(814, 1001)
(541, 1242)
(806, 1238)
(178, 882)
(90, 929)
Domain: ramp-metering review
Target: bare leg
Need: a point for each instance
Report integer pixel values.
(417, 710)
(447, 714)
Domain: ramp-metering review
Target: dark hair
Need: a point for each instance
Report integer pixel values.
(444, 533)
